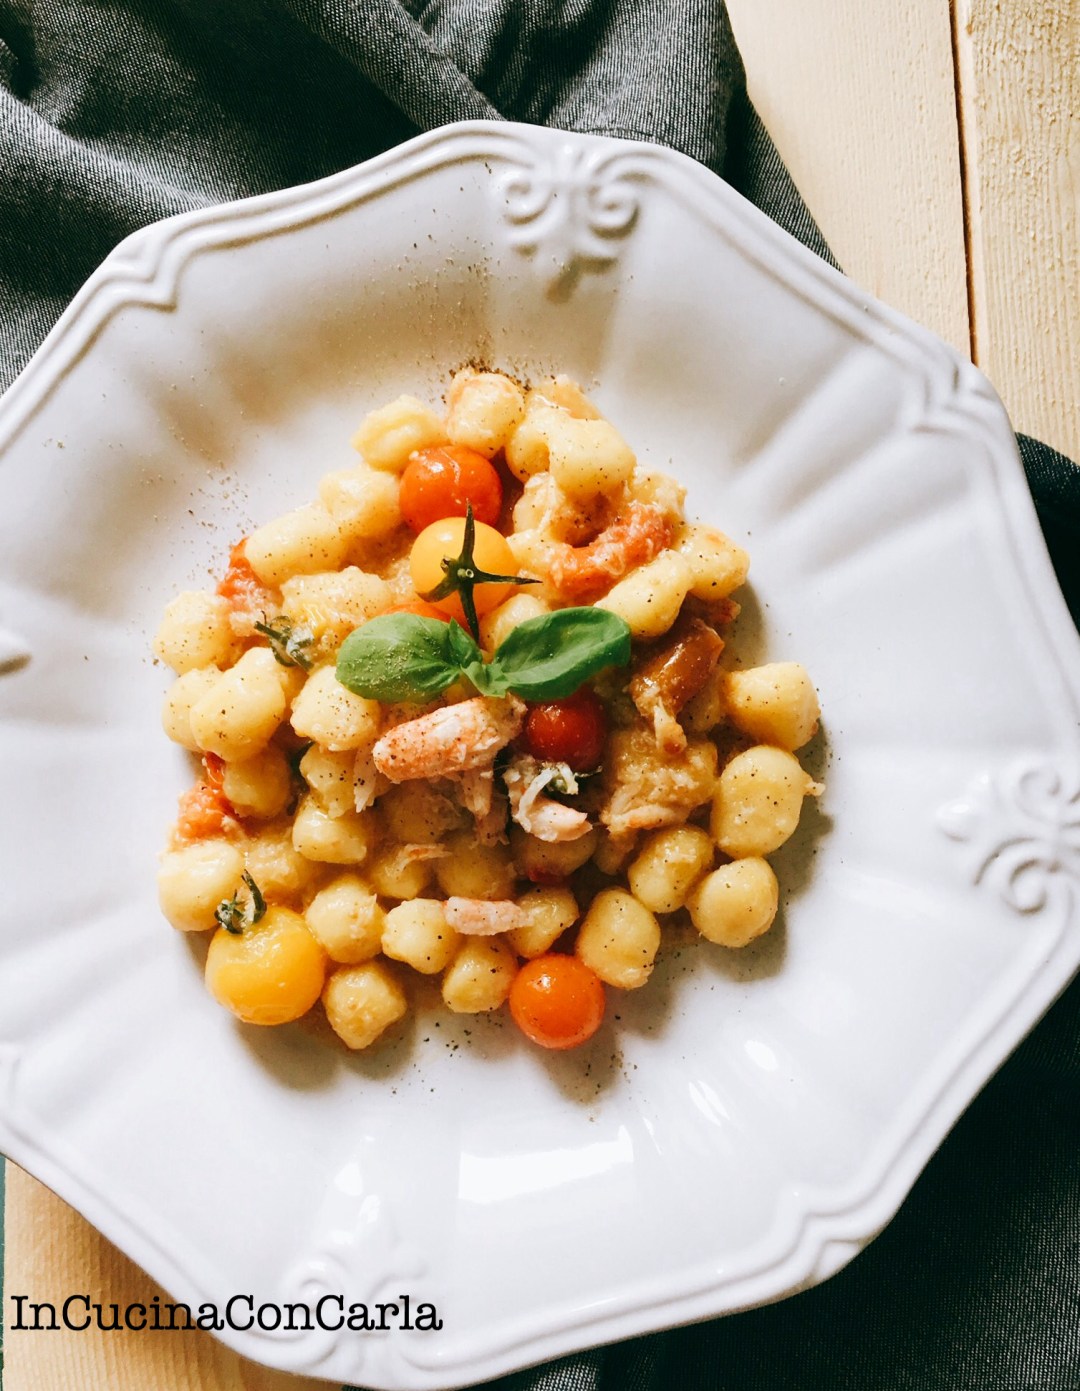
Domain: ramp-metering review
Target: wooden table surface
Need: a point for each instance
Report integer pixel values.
(936, 145)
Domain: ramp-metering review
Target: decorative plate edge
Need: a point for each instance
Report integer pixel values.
(146, 270)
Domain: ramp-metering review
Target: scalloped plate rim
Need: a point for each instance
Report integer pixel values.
(867, 1213)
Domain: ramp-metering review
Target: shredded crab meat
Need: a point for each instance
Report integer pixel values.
(647, 788)
(452, 739)
(541, 816)
(483, 917)
(365, 779)
(486, 802)
(477, 789)
(411, 854)
(583, 573)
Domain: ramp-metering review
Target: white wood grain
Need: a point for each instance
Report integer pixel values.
(861, 102)
(1019, 84)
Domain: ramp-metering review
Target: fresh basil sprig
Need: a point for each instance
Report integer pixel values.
(234, 914)
(288, 642)
(403, 657)
(549, 657)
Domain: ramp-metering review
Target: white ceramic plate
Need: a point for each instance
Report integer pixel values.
(752, 1119)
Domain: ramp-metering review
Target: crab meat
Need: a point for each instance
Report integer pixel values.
(486, 802)
(452, 739)
(365, 779)
(583, 573)
(646, 787)
(477, 789)
(482, 917)
(536, 814)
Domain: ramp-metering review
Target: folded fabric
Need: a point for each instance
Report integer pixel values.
(115, 113)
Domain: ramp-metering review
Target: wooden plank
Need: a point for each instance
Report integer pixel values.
(861, 102)
(1019, 86)
(52, 1252)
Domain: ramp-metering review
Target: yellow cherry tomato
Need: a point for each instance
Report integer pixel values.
(443, 540)
(270, 973)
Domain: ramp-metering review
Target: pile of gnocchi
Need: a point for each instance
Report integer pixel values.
(465, 715)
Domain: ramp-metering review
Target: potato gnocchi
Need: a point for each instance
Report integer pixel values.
(538, 764)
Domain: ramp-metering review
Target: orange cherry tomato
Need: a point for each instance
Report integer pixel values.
(444, 539)
(557, 1001)
(569, 731)
(441, 481)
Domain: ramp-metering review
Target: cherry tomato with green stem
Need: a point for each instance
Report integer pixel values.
(483, 553)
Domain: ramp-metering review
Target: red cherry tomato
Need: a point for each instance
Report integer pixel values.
(569, 731)
(557, 1001)
(440, 482)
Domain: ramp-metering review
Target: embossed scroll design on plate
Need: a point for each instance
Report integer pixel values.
(360, 1257)
(570, 209)
(1021, 828)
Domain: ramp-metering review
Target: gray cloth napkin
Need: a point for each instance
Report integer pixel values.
(114, 113)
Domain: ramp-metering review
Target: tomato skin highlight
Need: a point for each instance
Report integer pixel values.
(441, 482)
(557, 1001)
(445, 539)
(572, 731)
(421, 607)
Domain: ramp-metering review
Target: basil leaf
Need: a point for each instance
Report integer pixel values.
(549, 657)
(487, 678)
(398, 656)
(289, 644)
(463, 648)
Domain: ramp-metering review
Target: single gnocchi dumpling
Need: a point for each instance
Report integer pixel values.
(362, 1002)
(346, 918)
(304, 542)
(195, 632)
(241, 711)
(479, 978)
(668, 865)
(483, 410)
(758, 801)
(776, 704)
(619, 939)
(333, 717)
(390, 435)
(736, 903)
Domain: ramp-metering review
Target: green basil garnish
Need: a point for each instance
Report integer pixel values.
(549, 657)
(234, 914)
(403, 657)
(288, 643)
